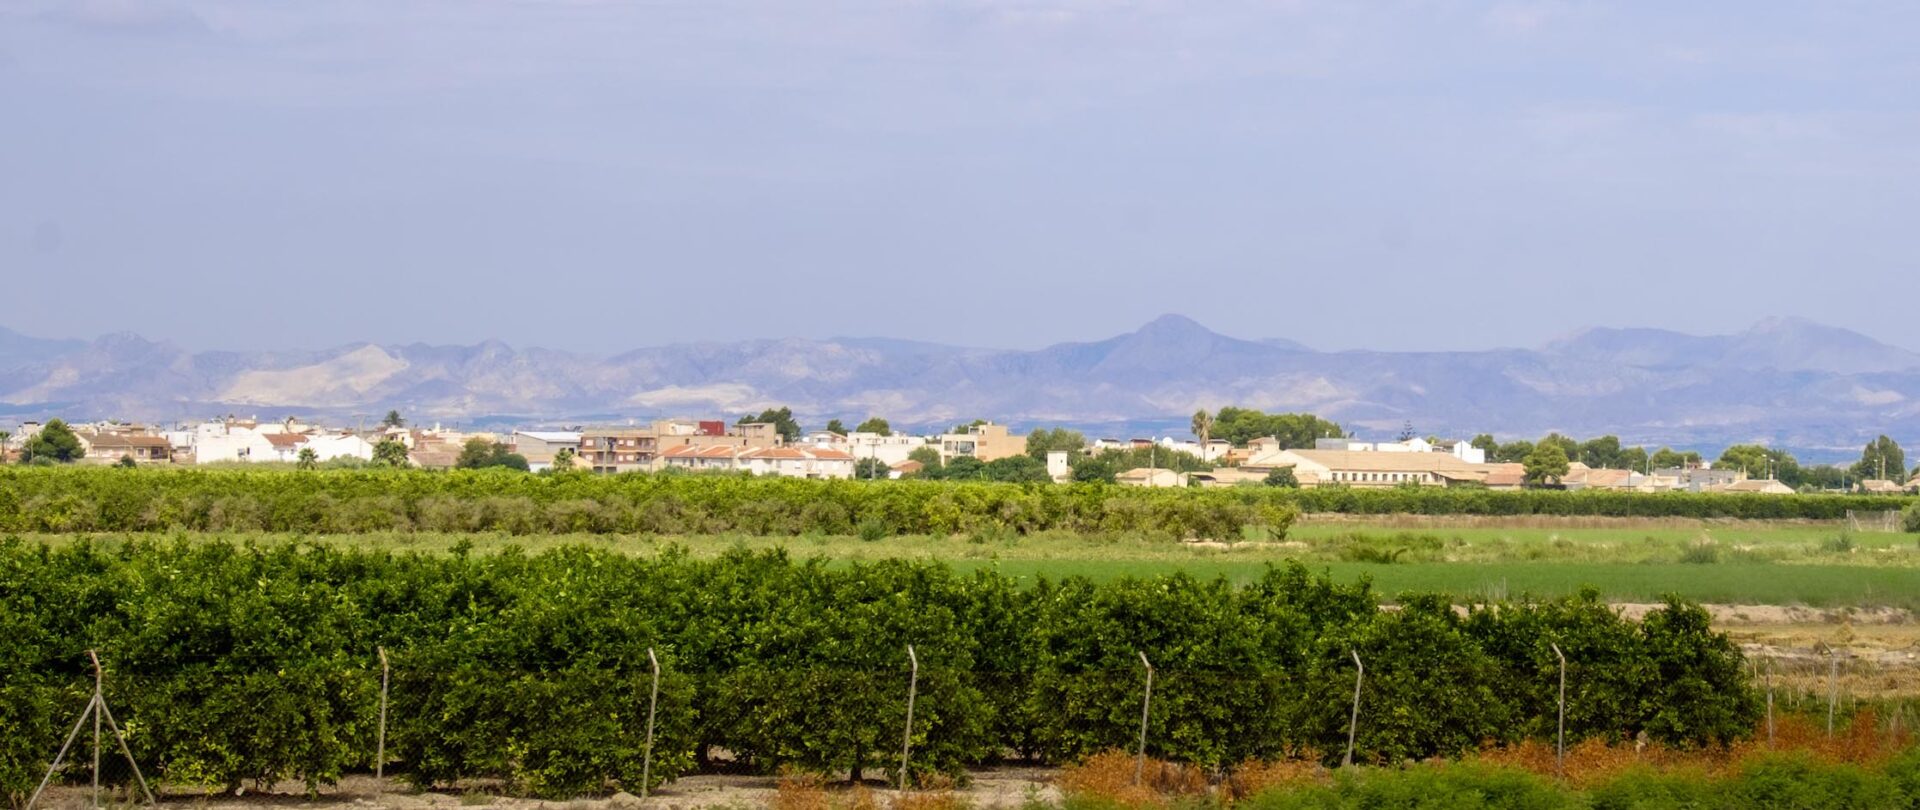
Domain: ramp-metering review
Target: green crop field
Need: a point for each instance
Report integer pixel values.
(1815, 564)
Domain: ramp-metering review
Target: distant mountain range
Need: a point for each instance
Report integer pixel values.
(1788, 382)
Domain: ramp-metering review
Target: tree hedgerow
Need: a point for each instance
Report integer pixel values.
(244, 664)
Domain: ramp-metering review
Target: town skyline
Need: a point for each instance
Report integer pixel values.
(1787, 383)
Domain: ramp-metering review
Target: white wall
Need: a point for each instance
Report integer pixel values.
(890, 450)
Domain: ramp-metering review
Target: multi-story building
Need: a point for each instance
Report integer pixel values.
(790, 462)
(618, 449)
(890, 450)
(985, 442)
(540, 446)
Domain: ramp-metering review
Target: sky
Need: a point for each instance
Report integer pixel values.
(597, 176)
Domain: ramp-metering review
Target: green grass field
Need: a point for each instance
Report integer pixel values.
(1818, 565)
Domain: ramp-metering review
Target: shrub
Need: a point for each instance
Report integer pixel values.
(243, 664)
(1423, 787)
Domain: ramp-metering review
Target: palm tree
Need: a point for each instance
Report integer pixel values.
(307, 459)
(1202, 428)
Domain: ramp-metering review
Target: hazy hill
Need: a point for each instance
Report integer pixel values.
(1789, 382)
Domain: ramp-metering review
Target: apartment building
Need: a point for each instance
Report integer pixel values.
(986, 442)
(618, 449)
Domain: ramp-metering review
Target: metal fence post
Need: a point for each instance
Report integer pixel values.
(653, 705)
(1353, 723)
(97, 692)
(380, 749)
(1146, 709)
(1560, 742)
(913, 688)
(97, 709)
(1833, 687)
(1769, 701)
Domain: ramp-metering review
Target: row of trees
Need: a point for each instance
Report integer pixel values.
(1881, 458)
(93, 499)
(247, 665)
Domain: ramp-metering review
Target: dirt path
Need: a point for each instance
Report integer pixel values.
(996, 789)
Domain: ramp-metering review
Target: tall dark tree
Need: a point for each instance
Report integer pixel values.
(1547, 464)
(1514, 452)
(1668, 458)
(390, 453)
(1043, 441)
(1091, 470)
(54, 442)
(1567, 445)
(1761, 462)
(393, 420)
(1881, 459)
(929, 459)
(1603, 452)
(871, 469)
(1633, 458)
(782, 420)
(834, 426)
(1242, 425)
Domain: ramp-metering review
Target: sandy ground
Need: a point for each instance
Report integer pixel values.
(993, 788)
(1409, 521)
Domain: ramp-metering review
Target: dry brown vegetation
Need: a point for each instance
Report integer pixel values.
(1866, 739)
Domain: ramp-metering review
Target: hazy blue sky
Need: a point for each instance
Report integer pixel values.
(600, 175)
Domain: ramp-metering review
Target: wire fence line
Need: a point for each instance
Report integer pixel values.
(1800, 685)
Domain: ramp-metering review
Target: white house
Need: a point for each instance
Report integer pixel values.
(890, 450)
(790, 461)
(222, 441)
(1057, 467)
(284, 446)
(539, 447)
(327, 446)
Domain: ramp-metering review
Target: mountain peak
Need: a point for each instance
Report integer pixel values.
(1788, 324)
(1173, 324)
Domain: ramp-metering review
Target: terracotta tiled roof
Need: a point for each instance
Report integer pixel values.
(1376, 461)
(1506, 475)
(125, 440)
(285, 439)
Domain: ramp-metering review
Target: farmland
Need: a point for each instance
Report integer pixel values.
(519, 611)
(1814, 563)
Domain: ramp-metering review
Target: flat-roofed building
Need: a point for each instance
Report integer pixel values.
(618, 449)
(540, 446)
(986, 442)
(787, 462)
(1369, 469)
